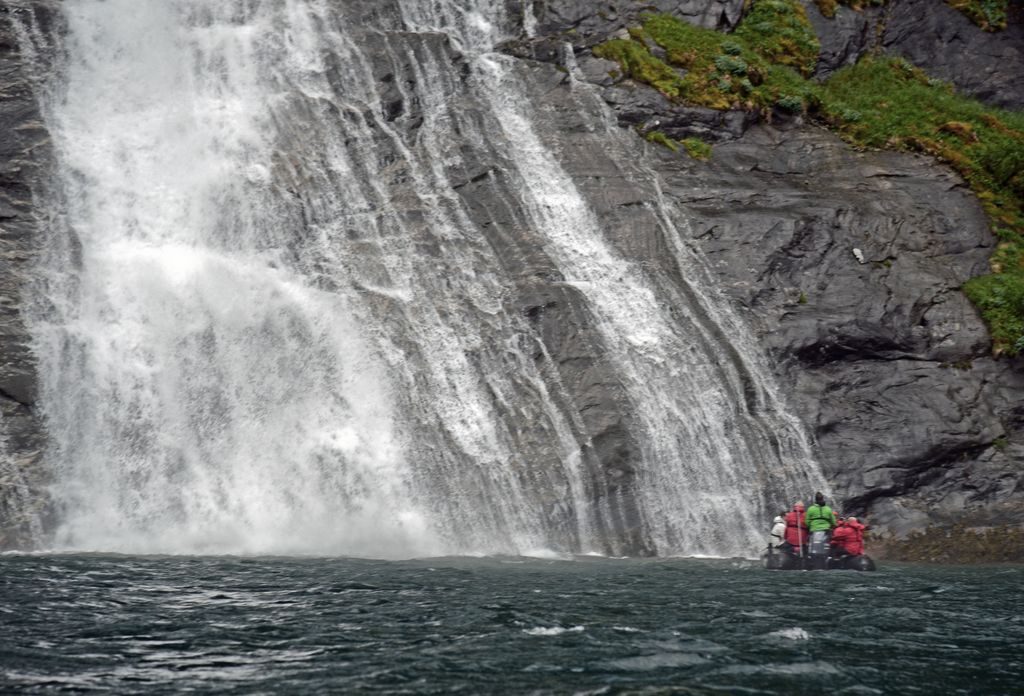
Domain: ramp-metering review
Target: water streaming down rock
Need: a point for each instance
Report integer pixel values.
(18, 506)
(278, 324)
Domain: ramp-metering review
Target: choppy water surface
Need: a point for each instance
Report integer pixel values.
(126, 624)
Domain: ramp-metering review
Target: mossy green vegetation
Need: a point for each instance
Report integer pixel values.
(697, 148)
(828, 7)
(662, 139)
(881, 102)
(780, 31)
(638, 63)
(694, 147)
(746, 70)
(1000, 297)
(990, 15)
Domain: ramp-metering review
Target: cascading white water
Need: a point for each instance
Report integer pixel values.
(202, 392)
(707, 460)
(18, 505)
(277, 329)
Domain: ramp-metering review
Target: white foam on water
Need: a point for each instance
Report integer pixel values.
(795, 633)
(552, 631)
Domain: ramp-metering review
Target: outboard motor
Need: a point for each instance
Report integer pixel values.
(773, 559)
(819, 550)
(860, 563)
(781, 558)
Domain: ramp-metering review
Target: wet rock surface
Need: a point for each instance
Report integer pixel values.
(848, 265)
(586, 20)
(985, 65)
(844, 37)
(22, 154)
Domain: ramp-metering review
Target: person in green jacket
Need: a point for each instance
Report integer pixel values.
(819, 517)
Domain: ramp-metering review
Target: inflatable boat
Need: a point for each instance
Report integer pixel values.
(788, 558)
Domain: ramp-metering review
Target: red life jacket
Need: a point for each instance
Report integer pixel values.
(843, 538)
(796, 530)
(856, 544)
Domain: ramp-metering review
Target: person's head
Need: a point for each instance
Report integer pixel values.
(798, 504)
(819, 498)
(778, 519)
(851, 519)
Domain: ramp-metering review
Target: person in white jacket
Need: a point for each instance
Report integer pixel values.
(778, 532)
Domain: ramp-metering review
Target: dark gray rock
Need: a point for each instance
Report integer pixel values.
(845, 37)
(848, 264)
(949, 46)
(586, 22)
(638, 106)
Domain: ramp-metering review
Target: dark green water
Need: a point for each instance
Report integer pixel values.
(127, 625)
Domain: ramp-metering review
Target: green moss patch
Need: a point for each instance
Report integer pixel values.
(694, 147)
(990, 15)
(638, 63)
(780, 31)
(754, 69)
(662, 139)
(828, 7)
(697, 148)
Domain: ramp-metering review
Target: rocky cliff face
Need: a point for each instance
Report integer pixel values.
(934, 36)
(846, 264)
(849, 264)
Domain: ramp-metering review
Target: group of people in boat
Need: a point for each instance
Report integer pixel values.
(817, 531)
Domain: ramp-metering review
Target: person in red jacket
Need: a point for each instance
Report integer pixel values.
(842, 538)
(848, 537)
(796, 530)
(855, 547)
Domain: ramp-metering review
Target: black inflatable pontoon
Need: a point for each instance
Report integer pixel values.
(787, 558)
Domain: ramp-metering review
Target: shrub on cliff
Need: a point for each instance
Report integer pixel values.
(829, 7)
(990, 15)
(780, 31)
(755, 69)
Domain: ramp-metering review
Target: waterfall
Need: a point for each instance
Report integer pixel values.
(272, 324)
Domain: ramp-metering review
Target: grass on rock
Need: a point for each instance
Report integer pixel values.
(662, 139)
(747, 70)
(990, 15)
(697, 148)
(828, 7)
